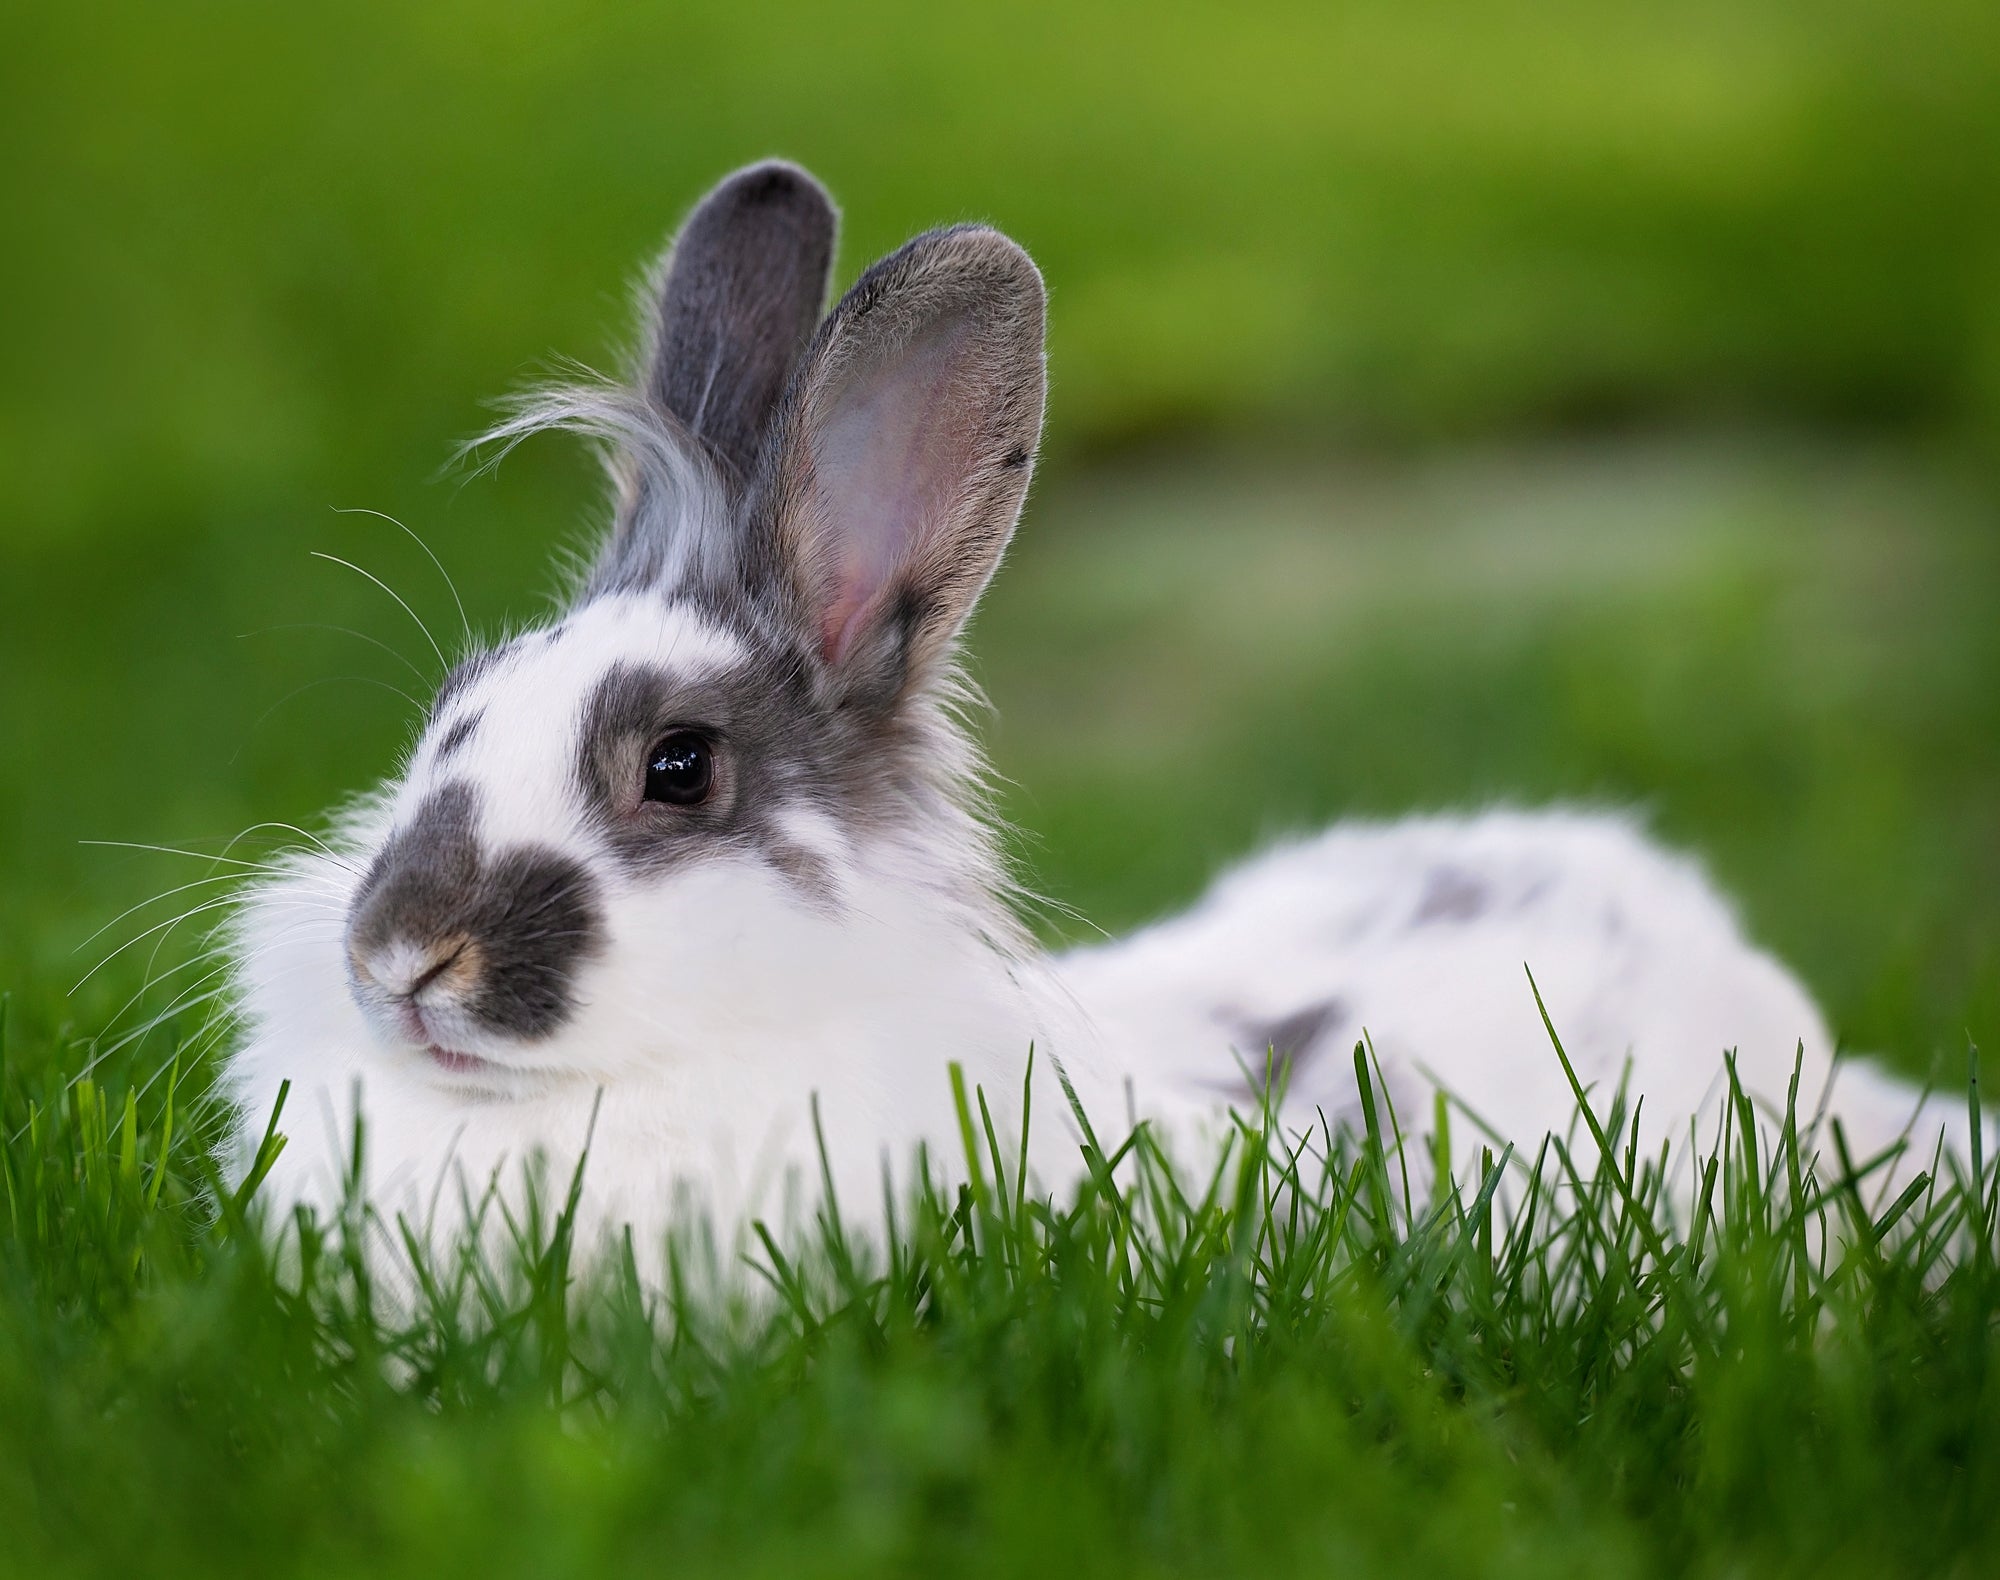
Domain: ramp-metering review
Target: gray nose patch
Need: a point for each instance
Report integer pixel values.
(533, 913)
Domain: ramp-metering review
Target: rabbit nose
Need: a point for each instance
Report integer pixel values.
(403, 968)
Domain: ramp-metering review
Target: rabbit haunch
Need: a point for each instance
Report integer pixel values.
(806, 511)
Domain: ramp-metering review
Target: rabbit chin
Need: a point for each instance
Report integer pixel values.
(724, 1007)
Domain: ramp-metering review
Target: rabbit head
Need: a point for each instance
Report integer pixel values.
(671, 811)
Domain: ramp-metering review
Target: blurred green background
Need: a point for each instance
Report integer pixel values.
(1450, 402)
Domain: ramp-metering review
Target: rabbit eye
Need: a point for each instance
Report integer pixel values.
(680, 769)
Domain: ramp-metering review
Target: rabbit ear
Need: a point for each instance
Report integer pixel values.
(736, 297)
(728, 312)
(902, 453)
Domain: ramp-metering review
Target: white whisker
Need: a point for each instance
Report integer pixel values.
(336, 559)
(167, 926)
(363, 510)
(314, 685)
(342, 630)
(204, 957)
(331, 853)
(174, 850)
(220, 877)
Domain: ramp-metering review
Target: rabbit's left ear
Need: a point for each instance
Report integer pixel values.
(901, 455)
(729, 310)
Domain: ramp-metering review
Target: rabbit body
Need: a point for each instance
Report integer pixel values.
(1420, 934)
(710, 845)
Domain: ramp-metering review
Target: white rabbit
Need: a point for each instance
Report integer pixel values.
(711, 842)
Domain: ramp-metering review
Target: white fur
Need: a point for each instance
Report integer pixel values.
(725, 1003)
(1422, 933)
(707, 1048)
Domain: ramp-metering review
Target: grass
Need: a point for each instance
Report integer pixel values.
(1328, 1353)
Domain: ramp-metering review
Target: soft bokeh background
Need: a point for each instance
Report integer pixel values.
(1450, 402)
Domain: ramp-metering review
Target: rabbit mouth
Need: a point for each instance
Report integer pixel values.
(453, 1062)
(418, 1029)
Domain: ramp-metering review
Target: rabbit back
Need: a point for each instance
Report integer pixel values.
(1421, 934)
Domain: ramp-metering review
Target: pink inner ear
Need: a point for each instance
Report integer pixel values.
(889, 464)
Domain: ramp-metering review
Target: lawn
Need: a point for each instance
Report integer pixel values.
(1589, 405)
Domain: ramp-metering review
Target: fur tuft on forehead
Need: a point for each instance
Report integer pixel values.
(724, 317)
(673, 508)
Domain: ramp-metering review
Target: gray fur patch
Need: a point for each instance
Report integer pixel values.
(1451, 895)
(773, 748)
(1275, 1051)
(464, 674)
(1291, 1038)
(454, 738)
(739, 295)
(532, 912)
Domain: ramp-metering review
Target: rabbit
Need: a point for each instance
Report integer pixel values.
(711, 843)
(697, 879)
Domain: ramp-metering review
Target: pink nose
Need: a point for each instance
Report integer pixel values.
(403, 968)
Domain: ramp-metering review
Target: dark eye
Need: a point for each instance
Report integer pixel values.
(680, 769)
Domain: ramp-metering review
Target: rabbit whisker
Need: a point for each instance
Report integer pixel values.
(443, 662)
(165, 894)
(362, 510)
(314, 685)
(174, 850)
(339, 630)
(167, 926)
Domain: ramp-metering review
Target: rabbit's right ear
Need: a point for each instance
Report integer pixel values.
(900, 457)
(735, 299)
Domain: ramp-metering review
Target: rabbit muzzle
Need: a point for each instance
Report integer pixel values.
(457, 949)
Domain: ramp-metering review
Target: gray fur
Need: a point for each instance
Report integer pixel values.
(1451, 896)
(730, 308)
(454, 738)
(777, 745)
(533, 912)
(1290, 1039)
(462, 676)
(739, 294)
(1277, 1049)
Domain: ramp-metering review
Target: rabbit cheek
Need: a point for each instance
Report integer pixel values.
(446, 942)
